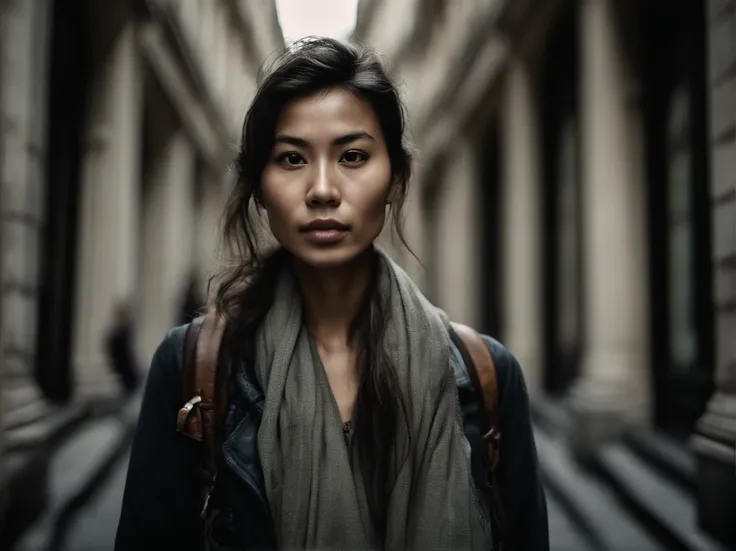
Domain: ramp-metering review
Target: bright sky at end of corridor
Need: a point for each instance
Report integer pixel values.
(300, 18)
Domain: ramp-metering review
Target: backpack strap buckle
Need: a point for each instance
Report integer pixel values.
(183, 416)
(207, 496)
(493, 437)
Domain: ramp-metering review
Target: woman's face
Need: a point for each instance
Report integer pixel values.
(327, 183)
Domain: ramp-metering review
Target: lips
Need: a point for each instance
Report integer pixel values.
(325, 231)
(325, 224)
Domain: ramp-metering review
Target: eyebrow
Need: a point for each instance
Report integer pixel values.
(342, 140)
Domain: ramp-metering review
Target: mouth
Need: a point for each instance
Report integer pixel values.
(325, 224)
(325, 231)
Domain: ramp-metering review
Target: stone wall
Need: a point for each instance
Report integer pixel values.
(161, 97)
(715, 440)
(22, 172)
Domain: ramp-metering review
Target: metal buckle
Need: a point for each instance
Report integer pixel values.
(183, 415)
(206, 506)
(493, 434)
(208, 495)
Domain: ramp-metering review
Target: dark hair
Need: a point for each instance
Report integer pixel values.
(245, 289)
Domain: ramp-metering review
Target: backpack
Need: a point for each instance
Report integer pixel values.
(205, 379)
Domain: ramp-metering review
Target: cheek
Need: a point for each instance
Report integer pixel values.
(375, 208)
(373, 201)
(379, 193)
(279, 207)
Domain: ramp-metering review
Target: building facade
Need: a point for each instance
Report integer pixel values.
(575, 195)
(118, 127)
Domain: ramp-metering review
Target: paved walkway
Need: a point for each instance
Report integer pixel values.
(88, 480)
(94, 527)
(563, 534)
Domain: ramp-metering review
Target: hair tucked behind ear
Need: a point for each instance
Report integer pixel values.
(245, 290)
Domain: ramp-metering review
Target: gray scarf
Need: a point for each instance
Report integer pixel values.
(316, 495)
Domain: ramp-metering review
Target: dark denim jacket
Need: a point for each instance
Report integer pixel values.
(161, 503)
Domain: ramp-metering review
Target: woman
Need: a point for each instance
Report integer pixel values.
(343, 428)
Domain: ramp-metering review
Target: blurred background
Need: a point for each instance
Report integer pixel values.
(574, 195)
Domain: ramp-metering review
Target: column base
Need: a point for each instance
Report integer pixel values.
(714, 446)
(611, 396)
(99, 389)
(21, 403)
(601, 412)
(592, 426)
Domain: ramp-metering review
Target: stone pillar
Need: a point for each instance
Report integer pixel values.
(189, 14)
(23, 87)
(237, 95)
(714, 442)
(108, 238)
(206, 34)
(416, 235)
(613, 387)
(222, 37)
(456, 264)
(522, 300)
(209, 211)
(168, 240)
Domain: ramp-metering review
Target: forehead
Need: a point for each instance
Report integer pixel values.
(328, 114)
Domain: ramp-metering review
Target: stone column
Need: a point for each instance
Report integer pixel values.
(416, 234)
(522, 300)
(189, 16)
(714, 442)
(168, 240)
(456, 264)
(222, 37)
(613, 387)
(209, 210)
(108, 234)
(206, 33)
(23, 87)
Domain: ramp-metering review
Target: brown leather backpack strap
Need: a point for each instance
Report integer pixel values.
(205, 377)
(483, 372)
(189, 418)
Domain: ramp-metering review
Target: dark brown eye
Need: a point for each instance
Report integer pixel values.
(293, 158)
(290, 158)
(353, 157)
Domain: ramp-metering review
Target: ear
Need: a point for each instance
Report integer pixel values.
(393, 190)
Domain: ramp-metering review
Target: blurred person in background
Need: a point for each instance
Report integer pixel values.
(120, 347)
(343, 427)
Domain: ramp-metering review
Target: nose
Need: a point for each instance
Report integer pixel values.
(323, 189)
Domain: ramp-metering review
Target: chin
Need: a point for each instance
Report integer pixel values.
(330, 257)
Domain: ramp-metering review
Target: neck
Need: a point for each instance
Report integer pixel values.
(333, 296)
